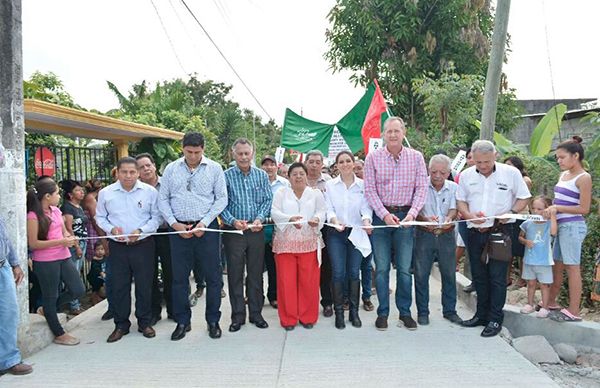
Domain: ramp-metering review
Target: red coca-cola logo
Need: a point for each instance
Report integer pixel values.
(45, 162)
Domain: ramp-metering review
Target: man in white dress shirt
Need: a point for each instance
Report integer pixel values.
(489, 189)
(130, 207)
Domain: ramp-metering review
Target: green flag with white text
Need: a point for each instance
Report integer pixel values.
(305, 135)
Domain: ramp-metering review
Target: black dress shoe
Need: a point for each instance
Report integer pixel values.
(327, 311)
(492, 329)
(470, 288)
(235, 326)
(289, 328)
(180, 331)
(307, 325)
(260, 323)
(214, 330)
(107, 316)
(474, 322)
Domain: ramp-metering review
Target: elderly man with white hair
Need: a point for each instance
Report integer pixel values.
(489, 189)
(437, 241)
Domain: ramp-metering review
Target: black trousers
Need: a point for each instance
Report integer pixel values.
(326, 274)
(271, 272)
(186, 252)
(245, 251)
(50, 275)
(489, 279)
(127, 262)
(162, 254)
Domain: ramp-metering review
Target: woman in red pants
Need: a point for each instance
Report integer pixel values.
(295, 247)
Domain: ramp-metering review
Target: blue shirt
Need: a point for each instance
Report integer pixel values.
(539, 233)
(7, 250)
(129, 210)
(250, 195)
(186, 195)
(439, 203)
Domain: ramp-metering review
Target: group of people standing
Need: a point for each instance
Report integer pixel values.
(314, 234)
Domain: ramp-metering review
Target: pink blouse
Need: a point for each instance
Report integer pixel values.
(54, 233)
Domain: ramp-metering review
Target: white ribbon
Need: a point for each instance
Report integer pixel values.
(532, 217)
(117, 236)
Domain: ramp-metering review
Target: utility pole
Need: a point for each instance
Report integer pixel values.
(494, 71)
(12, 153)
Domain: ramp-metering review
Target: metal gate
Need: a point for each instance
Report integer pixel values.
(60, 162)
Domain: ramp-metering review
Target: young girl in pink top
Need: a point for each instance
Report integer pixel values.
(49, 242)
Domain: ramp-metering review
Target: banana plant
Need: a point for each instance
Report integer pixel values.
(544, 133)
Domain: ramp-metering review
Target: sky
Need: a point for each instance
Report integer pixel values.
(276, 46)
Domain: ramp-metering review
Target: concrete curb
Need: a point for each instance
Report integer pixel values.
(583, 333)
(39, 335)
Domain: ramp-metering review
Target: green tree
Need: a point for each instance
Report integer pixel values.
(397, 41)
(193, 105)
(452, 105)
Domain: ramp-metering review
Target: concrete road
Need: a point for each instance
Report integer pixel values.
(438, 355)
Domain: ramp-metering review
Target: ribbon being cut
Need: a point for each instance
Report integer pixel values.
(532, 217)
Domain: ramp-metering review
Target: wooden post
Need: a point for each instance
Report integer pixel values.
(122, 148)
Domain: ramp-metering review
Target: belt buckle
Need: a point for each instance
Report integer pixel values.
(437, 231)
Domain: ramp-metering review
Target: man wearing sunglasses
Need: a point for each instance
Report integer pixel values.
(192, 194)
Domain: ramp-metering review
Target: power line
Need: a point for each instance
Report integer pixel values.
(187, 33)
(168, 38)
(226, 60)
(550, 68)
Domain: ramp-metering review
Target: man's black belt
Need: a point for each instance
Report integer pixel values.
(188, 222)
(396, 209)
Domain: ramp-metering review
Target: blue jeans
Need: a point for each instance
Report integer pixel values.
(429, 247)
(9, 316)
(401, 240)
(345, 258)
(366, 269)
(78, 261)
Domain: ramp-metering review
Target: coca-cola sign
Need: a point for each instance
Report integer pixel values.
(45, 162)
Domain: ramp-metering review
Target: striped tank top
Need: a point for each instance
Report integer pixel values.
(566, 193)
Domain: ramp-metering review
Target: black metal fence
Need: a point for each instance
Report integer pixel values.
(78, 163)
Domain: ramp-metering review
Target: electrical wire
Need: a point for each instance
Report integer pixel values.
(551, 73)
(168, 38)
(226, 60)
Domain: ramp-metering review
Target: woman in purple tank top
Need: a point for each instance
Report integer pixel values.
(572, 200)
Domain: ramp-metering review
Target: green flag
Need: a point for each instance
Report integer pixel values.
(305, 135)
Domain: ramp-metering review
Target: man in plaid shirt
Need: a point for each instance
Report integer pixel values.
(396, 188)
(250, 199)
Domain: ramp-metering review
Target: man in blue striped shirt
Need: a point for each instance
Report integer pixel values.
(250, 198)
(192, 194)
